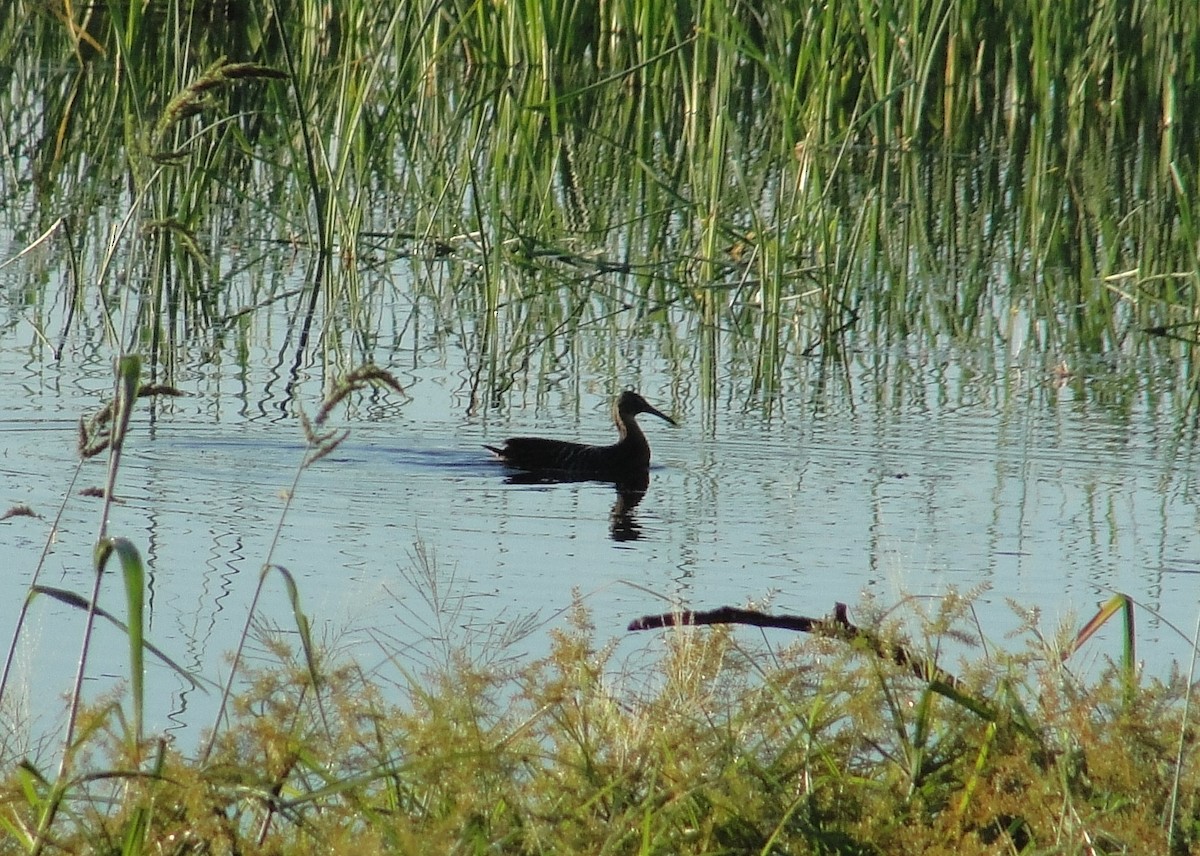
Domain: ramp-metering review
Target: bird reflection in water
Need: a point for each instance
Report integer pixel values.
(623, 524)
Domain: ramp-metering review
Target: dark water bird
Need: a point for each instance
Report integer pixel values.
(627, 457)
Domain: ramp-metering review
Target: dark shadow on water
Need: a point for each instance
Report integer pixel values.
(623, 524)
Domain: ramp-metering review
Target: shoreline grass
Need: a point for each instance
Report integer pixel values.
(728, 745)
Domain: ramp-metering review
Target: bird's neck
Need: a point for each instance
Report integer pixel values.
(630, 430)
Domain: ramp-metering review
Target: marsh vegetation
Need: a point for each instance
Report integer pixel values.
(743, 192)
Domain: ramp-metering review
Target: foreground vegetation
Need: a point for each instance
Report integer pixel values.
(728, 746)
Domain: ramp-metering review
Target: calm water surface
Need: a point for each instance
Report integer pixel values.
(907, 473)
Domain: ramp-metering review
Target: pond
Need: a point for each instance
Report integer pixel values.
(898, 473)
(921, 334)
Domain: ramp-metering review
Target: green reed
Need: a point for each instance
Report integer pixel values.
(785, 179)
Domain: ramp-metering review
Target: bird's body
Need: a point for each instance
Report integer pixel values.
(630, 455)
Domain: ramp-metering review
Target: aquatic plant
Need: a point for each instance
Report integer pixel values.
(787, 180)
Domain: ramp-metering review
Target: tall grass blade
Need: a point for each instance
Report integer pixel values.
(1118, 603)
(134, 575)
(302, 624)
(302, 627)
(977, 772)
(128, 371)
(70, 598)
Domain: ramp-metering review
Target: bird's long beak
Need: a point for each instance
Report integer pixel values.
(662, 415)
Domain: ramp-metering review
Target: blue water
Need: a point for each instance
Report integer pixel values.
(892, 476)
(896, 486)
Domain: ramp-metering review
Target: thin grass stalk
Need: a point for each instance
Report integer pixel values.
(1190, 222)
(928, 44)
(490, 277)
(51, 537)
(875, 20)
(128, 371)
(1173, 833)
(304, 125)
(75, 297)
(319, 445)
(109, 255)
(134, 576)
(251, 610)
(132, 28)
